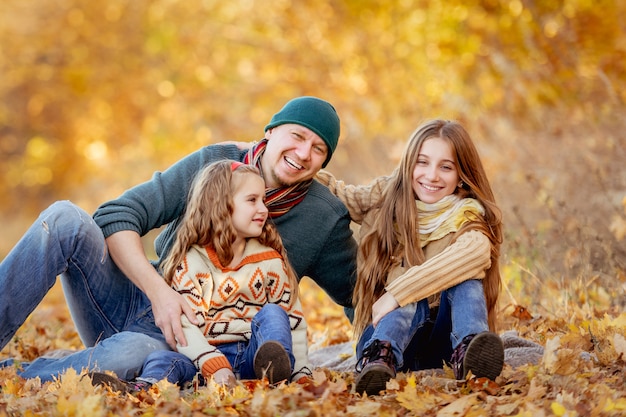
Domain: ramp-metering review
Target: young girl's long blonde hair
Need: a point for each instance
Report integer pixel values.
(207, 220)
(393, 234)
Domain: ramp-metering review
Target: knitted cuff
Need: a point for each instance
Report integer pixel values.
(213, 365)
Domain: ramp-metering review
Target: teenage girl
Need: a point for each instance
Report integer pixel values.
(428, 276)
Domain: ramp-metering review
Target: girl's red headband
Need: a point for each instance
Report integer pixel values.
(234, 165)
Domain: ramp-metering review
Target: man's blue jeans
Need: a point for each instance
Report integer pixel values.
(123, 353)
(418, 342)
(270, 323)
(65, 241)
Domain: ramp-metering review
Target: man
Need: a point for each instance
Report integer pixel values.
(115, 294)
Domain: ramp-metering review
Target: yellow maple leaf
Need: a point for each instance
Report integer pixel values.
(411, 382)
(560, 360)
(417, 399)
(459, 407)
(79, 406)
(619, 322)
(610, 405)
(12, 386)
(558, 409)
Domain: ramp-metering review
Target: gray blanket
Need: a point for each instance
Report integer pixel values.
(341, 357)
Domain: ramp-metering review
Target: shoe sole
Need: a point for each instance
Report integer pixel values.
(373, 380)
(271, 361)
(484, 356)
(102, 379)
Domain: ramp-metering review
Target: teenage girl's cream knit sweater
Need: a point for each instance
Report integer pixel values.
(446, 264)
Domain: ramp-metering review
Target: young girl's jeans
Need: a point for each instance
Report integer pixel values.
(271, 323)
(418, 342)
(113, 317)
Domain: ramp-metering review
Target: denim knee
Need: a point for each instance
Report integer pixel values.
(271, 310)
(271, 313)
(65, 211)
(134, 341)
(468, 310)
(167, 364)
(126, 352)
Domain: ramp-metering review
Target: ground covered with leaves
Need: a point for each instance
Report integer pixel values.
(96, 96)
(581, 374)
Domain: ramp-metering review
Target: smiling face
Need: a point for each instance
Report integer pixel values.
(249, 213)
(436, 173)
(293, 154)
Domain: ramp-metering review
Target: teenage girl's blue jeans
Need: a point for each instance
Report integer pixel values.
(270, 323)
(105, 305)
(417, 341)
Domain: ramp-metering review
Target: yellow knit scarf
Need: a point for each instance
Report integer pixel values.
(446, 216)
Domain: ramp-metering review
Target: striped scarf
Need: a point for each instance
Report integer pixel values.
(446, 216)
(277, 200)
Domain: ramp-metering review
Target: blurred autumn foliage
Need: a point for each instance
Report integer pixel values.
(95, 96)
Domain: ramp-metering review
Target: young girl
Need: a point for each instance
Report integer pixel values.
(429, 247)
(230, 265)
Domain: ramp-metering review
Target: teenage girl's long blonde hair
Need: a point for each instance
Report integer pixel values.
(393, 234)
(207, 220)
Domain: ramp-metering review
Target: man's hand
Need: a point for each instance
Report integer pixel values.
(385, 304)
(167, 306)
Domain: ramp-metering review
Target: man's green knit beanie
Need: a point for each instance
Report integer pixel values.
(314, 113)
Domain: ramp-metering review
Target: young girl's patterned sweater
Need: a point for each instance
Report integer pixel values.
(226, 299)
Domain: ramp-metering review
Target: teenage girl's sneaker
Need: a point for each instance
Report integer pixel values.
(483, 354)
(375, 368)
(271, 361)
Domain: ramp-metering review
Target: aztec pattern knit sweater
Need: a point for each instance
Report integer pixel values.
(446, 264)
(225, 301)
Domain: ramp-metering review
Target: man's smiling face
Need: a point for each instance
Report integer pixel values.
(293, 154)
